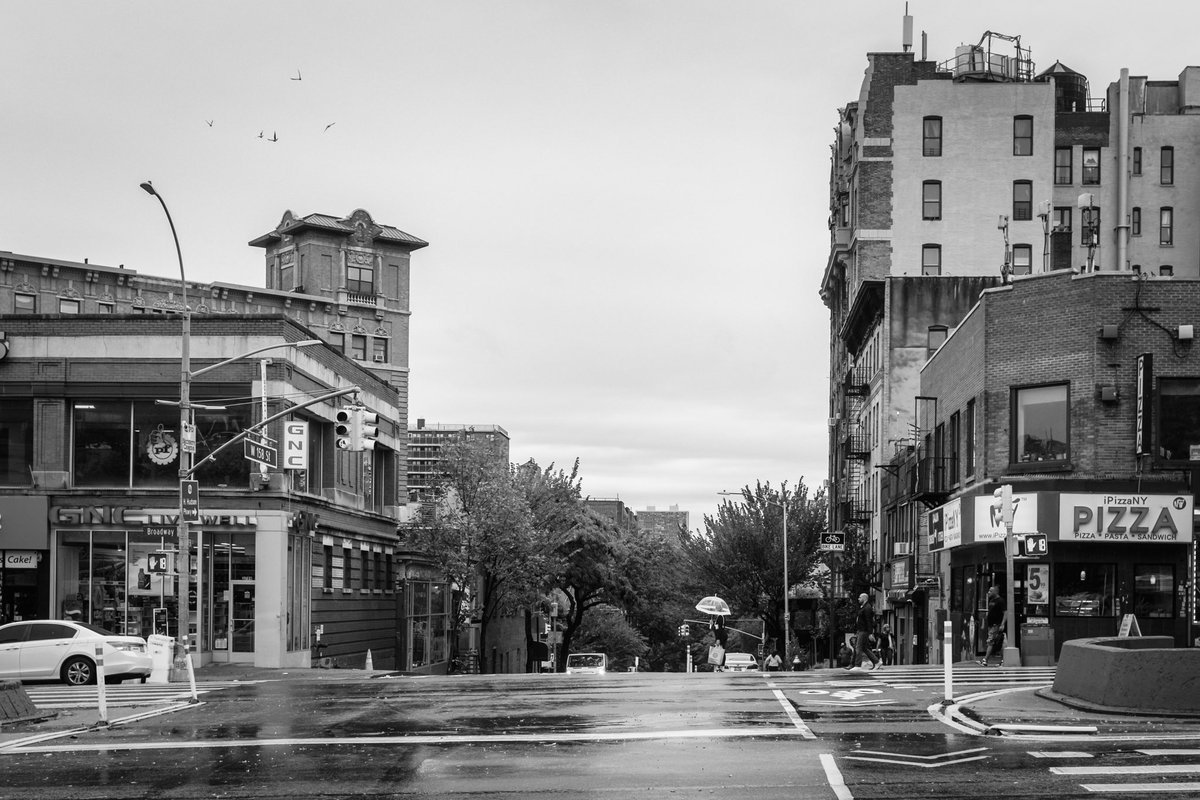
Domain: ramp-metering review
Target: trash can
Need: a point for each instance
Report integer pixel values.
(1037, 646)
(162, 650)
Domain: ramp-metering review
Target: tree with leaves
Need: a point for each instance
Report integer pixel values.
(739, 555)
(483, 537)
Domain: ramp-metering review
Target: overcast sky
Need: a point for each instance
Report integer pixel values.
(625, 200)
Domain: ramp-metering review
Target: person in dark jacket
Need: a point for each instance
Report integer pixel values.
(995, 625)
(864, 624)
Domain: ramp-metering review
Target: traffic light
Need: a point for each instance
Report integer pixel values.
(1002, 505)
(684, 630)
(343, 429)
(366, 429)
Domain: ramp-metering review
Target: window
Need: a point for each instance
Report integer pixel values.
(16, 442)
(1060, 238)
(1089, 229)
(105, 308)
(347, 564)
(24, 303)
(1135, 222)
(1137, 161)
(1166, 166)
(327, 578)
(337, 340)
(931, 259)
(955, 434)
(1023, 136)
(1022, 200)
(364, 567)
(287, 277)
(1091, 166)
(931, 136)
(935, 338)
(1041, 424)
(969, 440)
(1085, 590)
(1154, 590)
(1063, 166)
(1178, 417)
(360, 280)
(1166, 225)
(931, 200)
(380, 346)
(1166, 271)
(1022, 259)
(358, 346)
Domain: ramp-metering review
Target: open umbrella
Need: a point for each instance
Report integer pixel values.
(713, 605)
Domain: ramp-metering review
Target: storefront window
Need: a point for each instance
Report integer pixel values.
(1085, 590)
(1154, 590)
(119, 443)
(1041, 424)
(101, 444)
(16, 442)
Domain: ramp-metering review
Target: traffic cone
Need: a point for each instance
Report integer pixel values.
(370, 664)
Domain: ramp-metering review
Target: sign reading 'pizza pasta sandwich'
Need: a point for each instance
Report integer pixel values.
(1146, 518)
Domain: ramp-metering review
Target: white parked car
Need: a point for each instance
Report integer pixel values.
(50, 649)
(587, 663)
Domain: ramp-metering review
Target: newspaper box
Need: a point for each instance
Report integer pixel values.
(162, 650)
(1037, 645)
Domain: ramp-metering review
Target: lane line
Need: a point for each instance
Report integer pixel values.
(1129, 788)
(793, 716)
(1130, 769)
(834, 776)
(1060, 754)
(722, 733)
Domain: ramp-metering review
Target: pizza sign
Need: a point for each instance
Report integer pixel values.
(1125, 518)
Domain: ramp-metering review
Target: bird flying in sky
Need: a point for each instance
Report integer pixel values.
(260, 134)
(297, 76)
(274, 137)
(210, 122)
(330, 125)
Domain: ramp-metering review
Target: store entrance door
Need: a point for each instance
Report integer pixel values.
(231, 596)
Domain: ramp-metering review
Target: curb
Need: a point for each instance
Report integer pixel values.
(1096, 708)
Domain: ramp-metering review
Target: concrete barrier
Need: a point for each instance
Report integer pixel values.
(1139, 674)
(15, 705)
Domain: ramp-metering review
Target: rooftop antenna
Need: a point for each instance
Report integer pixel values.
(908, 30)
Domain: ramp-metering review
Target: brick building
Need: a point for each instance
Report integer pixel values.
(947, 177)
(1082, 392)
(286, 557)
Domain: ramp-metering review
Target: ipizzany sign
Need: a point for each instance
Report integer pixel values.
(1142, 518)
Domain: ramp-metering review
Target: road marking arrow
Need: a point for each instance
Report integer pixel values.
(925, 762)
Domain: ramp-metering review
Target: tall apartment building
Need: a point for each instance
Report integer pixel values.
(949, 177)
(658, 521)
(426, 444)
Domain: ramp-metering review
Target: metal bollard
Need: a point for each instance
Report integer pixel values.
(101, 697)
(948, 660)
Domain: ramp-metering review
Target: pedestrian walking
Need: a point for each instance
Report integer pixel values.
(887, 646)
(864, 624)
(773, 662)
(995, 623)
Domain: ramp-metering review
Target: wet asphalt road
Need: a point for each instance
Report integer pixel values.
(552, 736)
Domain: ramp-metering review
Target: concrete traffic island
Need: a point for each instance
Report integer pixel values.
(15, 705)
(1144, 675)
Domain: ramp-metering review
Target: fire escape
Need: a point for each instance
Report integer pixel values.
(856, 448)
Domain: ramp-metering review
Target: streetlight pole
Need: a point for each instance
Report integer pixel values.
(182, 563)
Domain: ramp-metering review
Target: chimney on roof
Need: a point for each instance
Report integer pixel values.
(420, 423)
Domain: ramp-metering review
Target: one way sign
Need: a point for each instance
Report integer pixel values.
(833, 540)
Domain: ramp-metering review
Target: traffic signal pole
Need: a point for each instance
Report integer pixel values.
(1004, 504)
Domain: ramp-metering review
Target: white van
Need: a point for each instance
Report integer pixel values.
(587, 663)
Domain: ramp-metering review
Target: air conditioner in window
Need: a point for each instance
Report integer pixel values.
(902, 548)
(378, 359)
